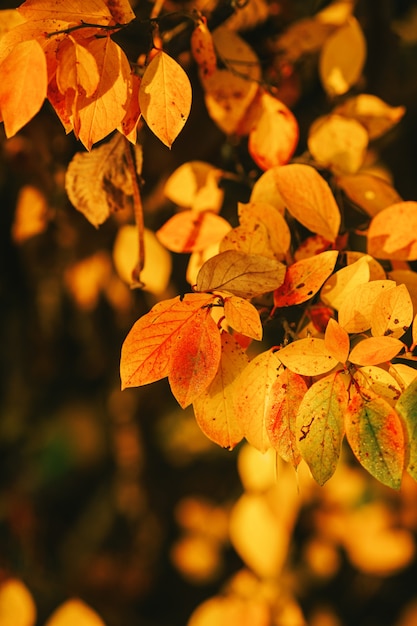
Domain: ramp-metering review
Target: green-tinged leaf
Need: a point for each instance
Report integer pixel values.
(147, 349)
(195, 357)
(375, 433)
(375, 350)
(304, 278)
(255, 398)
(406, 407)
(380, 381)
(307, 357)
(320, 425)
(214, 408)
(241, 274)
(289, 390)
(243, 317)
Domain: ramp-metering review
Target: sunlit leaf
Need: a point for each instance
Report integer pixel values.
(375, 434)
(266, 190)
(406, 407)
(192, 231)
(17, 607)
(338, 143)
(214, 408)
(392, 233)
(371, 193)
(308, 357)
(336, 340)
(320, 425)
(409, 279)
(249, 239)
(309, 199)
(373, 113)
(74, 611)
(403, 374)
(93, 11)
(375, 350)
(392, 312)
(165, 97)
(223, 610)
(304, 278)
(279, 234)
(380, 381)
(342, 58)
(243, 317)
(147, 349)
(193, 183)
(241, 274)
(76, 67)
(355, 312)
(288, 391)
(129, 124)
(337, 287)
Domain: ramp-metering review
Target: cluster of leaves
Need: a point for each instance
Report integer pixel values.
(333, 372)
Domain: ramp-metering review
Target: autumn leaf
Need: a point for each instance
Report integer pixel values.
(338, 143)
(214, 408)
(195, 356)
(288, 391)
(129, 124)
(76, 67)
(266, 190)
(392, 312)
(374, 114)
(74, 611)
(380, 381)
(406, 407)
(336, 340)
(371, 193)
(258, 212)
(240, 274)
(307, 357)
(337, 287)
(392, 232)
(192, 231)
(147, 349)
(249, 239)
(243, 317)
(375, 350)
(93, 11)
(320, 425)
(17, 606)
(304, 278)
(355, 312)
(165, 97)
(195, 185)
(375, 434)
(23, 85)
(309, 199)
(202, 48)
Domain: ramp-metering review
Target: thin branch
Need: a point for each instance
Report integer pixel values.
(138, 212)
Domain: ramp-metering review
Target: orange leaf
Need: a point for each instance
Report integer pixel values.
(274, 137)
(338, 143)
(277, 228)
(192, 231)
(336, 340)
(23, 85)
(248, 239)
(17, 607)
(336, 288)
(304, 278)
(129, 123)
(266, 190)
(392, 233)
(194, 185)
(147, 349)
(309, 199)
(165, 97)
(104, 111)
(74, 611)
(307, 357)
(373, 113)
(76, 67)
(375, 350)
(243, 317)
(289, 390)
(392, 313)
(371, 193)
(355, 312)
(91, 11)
(213, 409)
(202, 48)
(195, 356)
(241, 274)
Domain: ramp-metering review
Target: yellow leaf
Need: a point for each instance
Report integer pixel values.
(380, 381)
(74, 612)
(266, 190)
(104, 111)
(76, 67)
(165, 97)
(236, 54)
(193, 183)
(355, 312)
(256, 212)
(243, 317)
(392, 313)
(88, 278)
(336, 340)
(403, 374)
(307, 357)
(223, 610)
(336, 288)
(409, 278)
(31, 216)
(249, 239)
(342, 58)
(23, 85)
(392, 233)
(373, 113)
(94, 11)
(375, 350)
(338, 143)
(17, 607)
(371, 193)
(214, 409)
(309, 199)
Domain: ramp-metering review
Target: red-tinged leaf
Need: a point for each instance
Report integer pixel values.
(255, 398)
(23, 85)
(273, 139)
(202, 48)
(165, 97)
(259, 212)
(147, 349)
(320, 316)
(355, 312)
(336, 288)
(320, 425)
(406, 407)
(304, 278)
(392, 233)
(243, 317)
(104, 111)
(289, 390)
(192, 231)
(195, 357)
(240, 274)
(392, 313)
(309, 199)
(375, 350)
(129, 123)
(375, 434)
(311, 246)
(336, 341)
(307, 357)
(214, 408)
